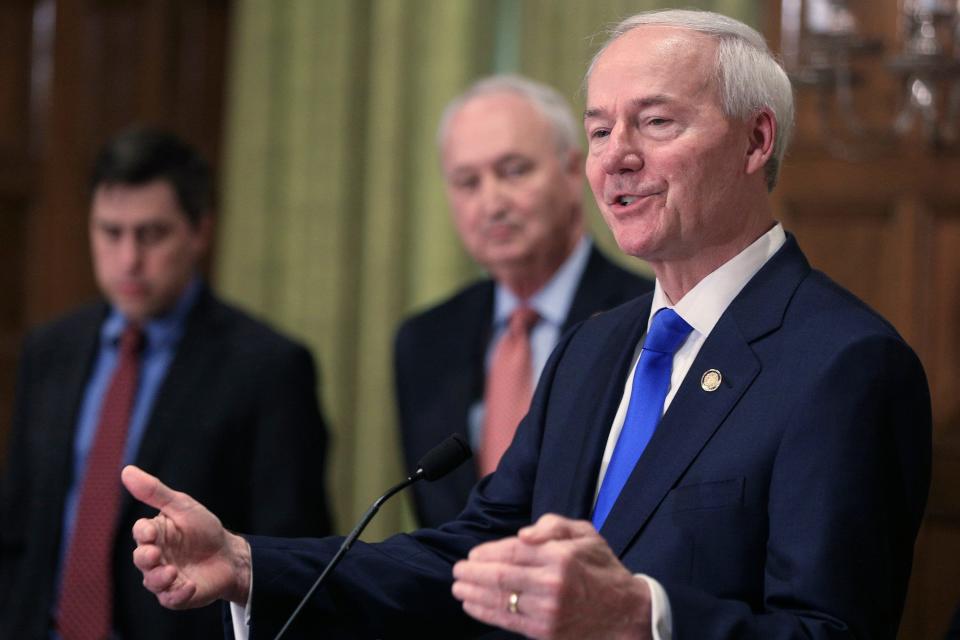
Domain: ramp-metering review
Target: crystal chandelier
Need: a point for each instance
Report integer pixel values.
(825, 50)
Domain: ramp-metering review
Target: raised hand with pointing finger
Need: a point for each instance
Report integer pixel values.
(188, 559)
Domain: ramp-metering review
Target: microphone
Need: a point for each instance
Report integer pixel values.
(436, 463)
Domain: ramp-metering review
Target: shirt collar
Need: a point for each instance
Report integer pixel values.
(552, 302)
(162, 331)
(703, 305)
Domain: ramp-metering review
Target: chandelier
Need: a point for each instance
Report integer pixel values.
(824, 49)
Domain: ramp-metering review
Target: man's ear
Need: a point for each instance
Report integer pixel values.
(763, 131)
(204, 231)
(574, 163)
(573, 169)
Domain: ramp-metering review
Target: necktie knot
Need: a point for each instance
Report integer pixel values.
(132, 339)
(667, 332)
(522, 320)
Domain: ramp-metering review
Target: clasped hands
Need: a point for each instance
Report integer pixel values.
(555, 579)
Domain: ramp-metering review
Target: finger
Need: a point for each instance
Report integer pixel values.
(147, 557)
(147, 488)
(160, 579)
(495, 598)
(178, 597)
(554, 527)
(145, 531)
(503, 578)
(507, 550)
(494, 604)
(490, 597)
(492, 575)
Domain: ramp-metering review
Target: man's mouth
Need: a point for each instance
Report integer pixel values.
(132, 288)
(627, 199)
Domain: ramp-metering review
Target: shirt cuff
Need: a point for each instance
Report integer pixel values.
(240, 616)
(661, 616)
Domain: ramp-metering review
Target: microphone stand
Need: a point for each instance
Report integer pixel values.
(437, 462)
(348, 542)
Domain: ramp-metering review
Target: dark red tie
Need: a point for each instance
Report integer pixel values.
(86, 595)
(509, 388)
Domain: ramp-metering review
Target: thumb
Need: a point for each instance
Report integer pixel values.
(147, 488)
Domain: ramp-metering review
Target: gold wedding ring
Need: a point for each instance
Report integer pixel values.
(513, 601)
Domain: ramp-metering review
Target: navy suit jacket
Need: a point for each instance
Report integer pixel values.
(439, 371)
(784, 504)
(236, 396)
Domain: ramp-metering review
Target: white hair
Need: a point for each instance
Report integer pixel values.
(749, 77)
(548, 101)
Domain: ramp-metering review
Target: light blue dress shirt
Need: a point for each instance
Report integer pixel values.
(162, 336)
(552, 302)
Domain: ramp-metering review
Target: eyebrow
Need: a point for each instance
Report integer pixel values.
(636, 103)
(506, 157)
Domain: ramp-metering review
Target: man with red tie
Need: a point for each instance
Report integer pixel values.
(513, 173)
(162, 373)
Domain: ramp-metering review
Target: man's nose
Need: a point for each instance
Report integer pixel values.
(622, 153)
(494, 199)
(131, 252)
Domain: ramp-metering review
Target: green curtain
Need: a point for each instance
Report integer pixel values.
(333, 223)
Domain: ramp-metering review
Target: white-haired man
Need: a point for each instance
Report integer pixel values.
(743, 454)
(514, 179)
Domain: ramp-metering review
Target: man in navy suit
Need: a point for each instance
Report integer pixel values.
(779, 495)
(514, 179)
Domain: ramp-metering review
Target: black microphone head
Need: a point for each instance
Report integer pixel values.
(444, 458)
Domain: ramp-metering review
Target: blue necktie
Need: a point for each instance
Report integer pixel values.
(651, 381)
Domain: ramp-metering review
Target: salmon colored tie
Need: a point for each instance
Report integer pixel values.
(86, 594)
(509, 388)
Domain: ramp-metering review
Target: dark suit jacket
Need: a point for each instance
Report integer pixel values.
(953, 633)
(235, 424)
(439, 371)
(782, 505)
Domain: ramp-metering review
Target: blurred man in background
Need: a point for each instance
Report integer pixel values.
(162, 373)
(514, 179)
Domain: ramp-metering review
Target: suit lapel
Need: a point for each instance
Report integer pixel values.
(70, 376)
(477, 327)
(687, 425)
(599, 399)
(197, 346)
(467, 365)
(695, 414)
(180, 388)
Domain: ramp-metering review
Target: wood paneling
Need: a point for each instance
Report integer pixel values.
(882, 217)
(16, 185)
(116, 63)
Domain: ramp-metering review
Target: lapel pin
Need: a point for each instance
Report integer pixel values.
(710, 381)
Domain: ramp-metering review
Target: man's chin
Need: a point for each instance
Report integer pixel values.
(134, 310)
(634, 246)
(505, 255)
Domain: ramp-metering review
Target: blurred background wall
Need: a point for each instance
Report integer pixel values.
(319, 117)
